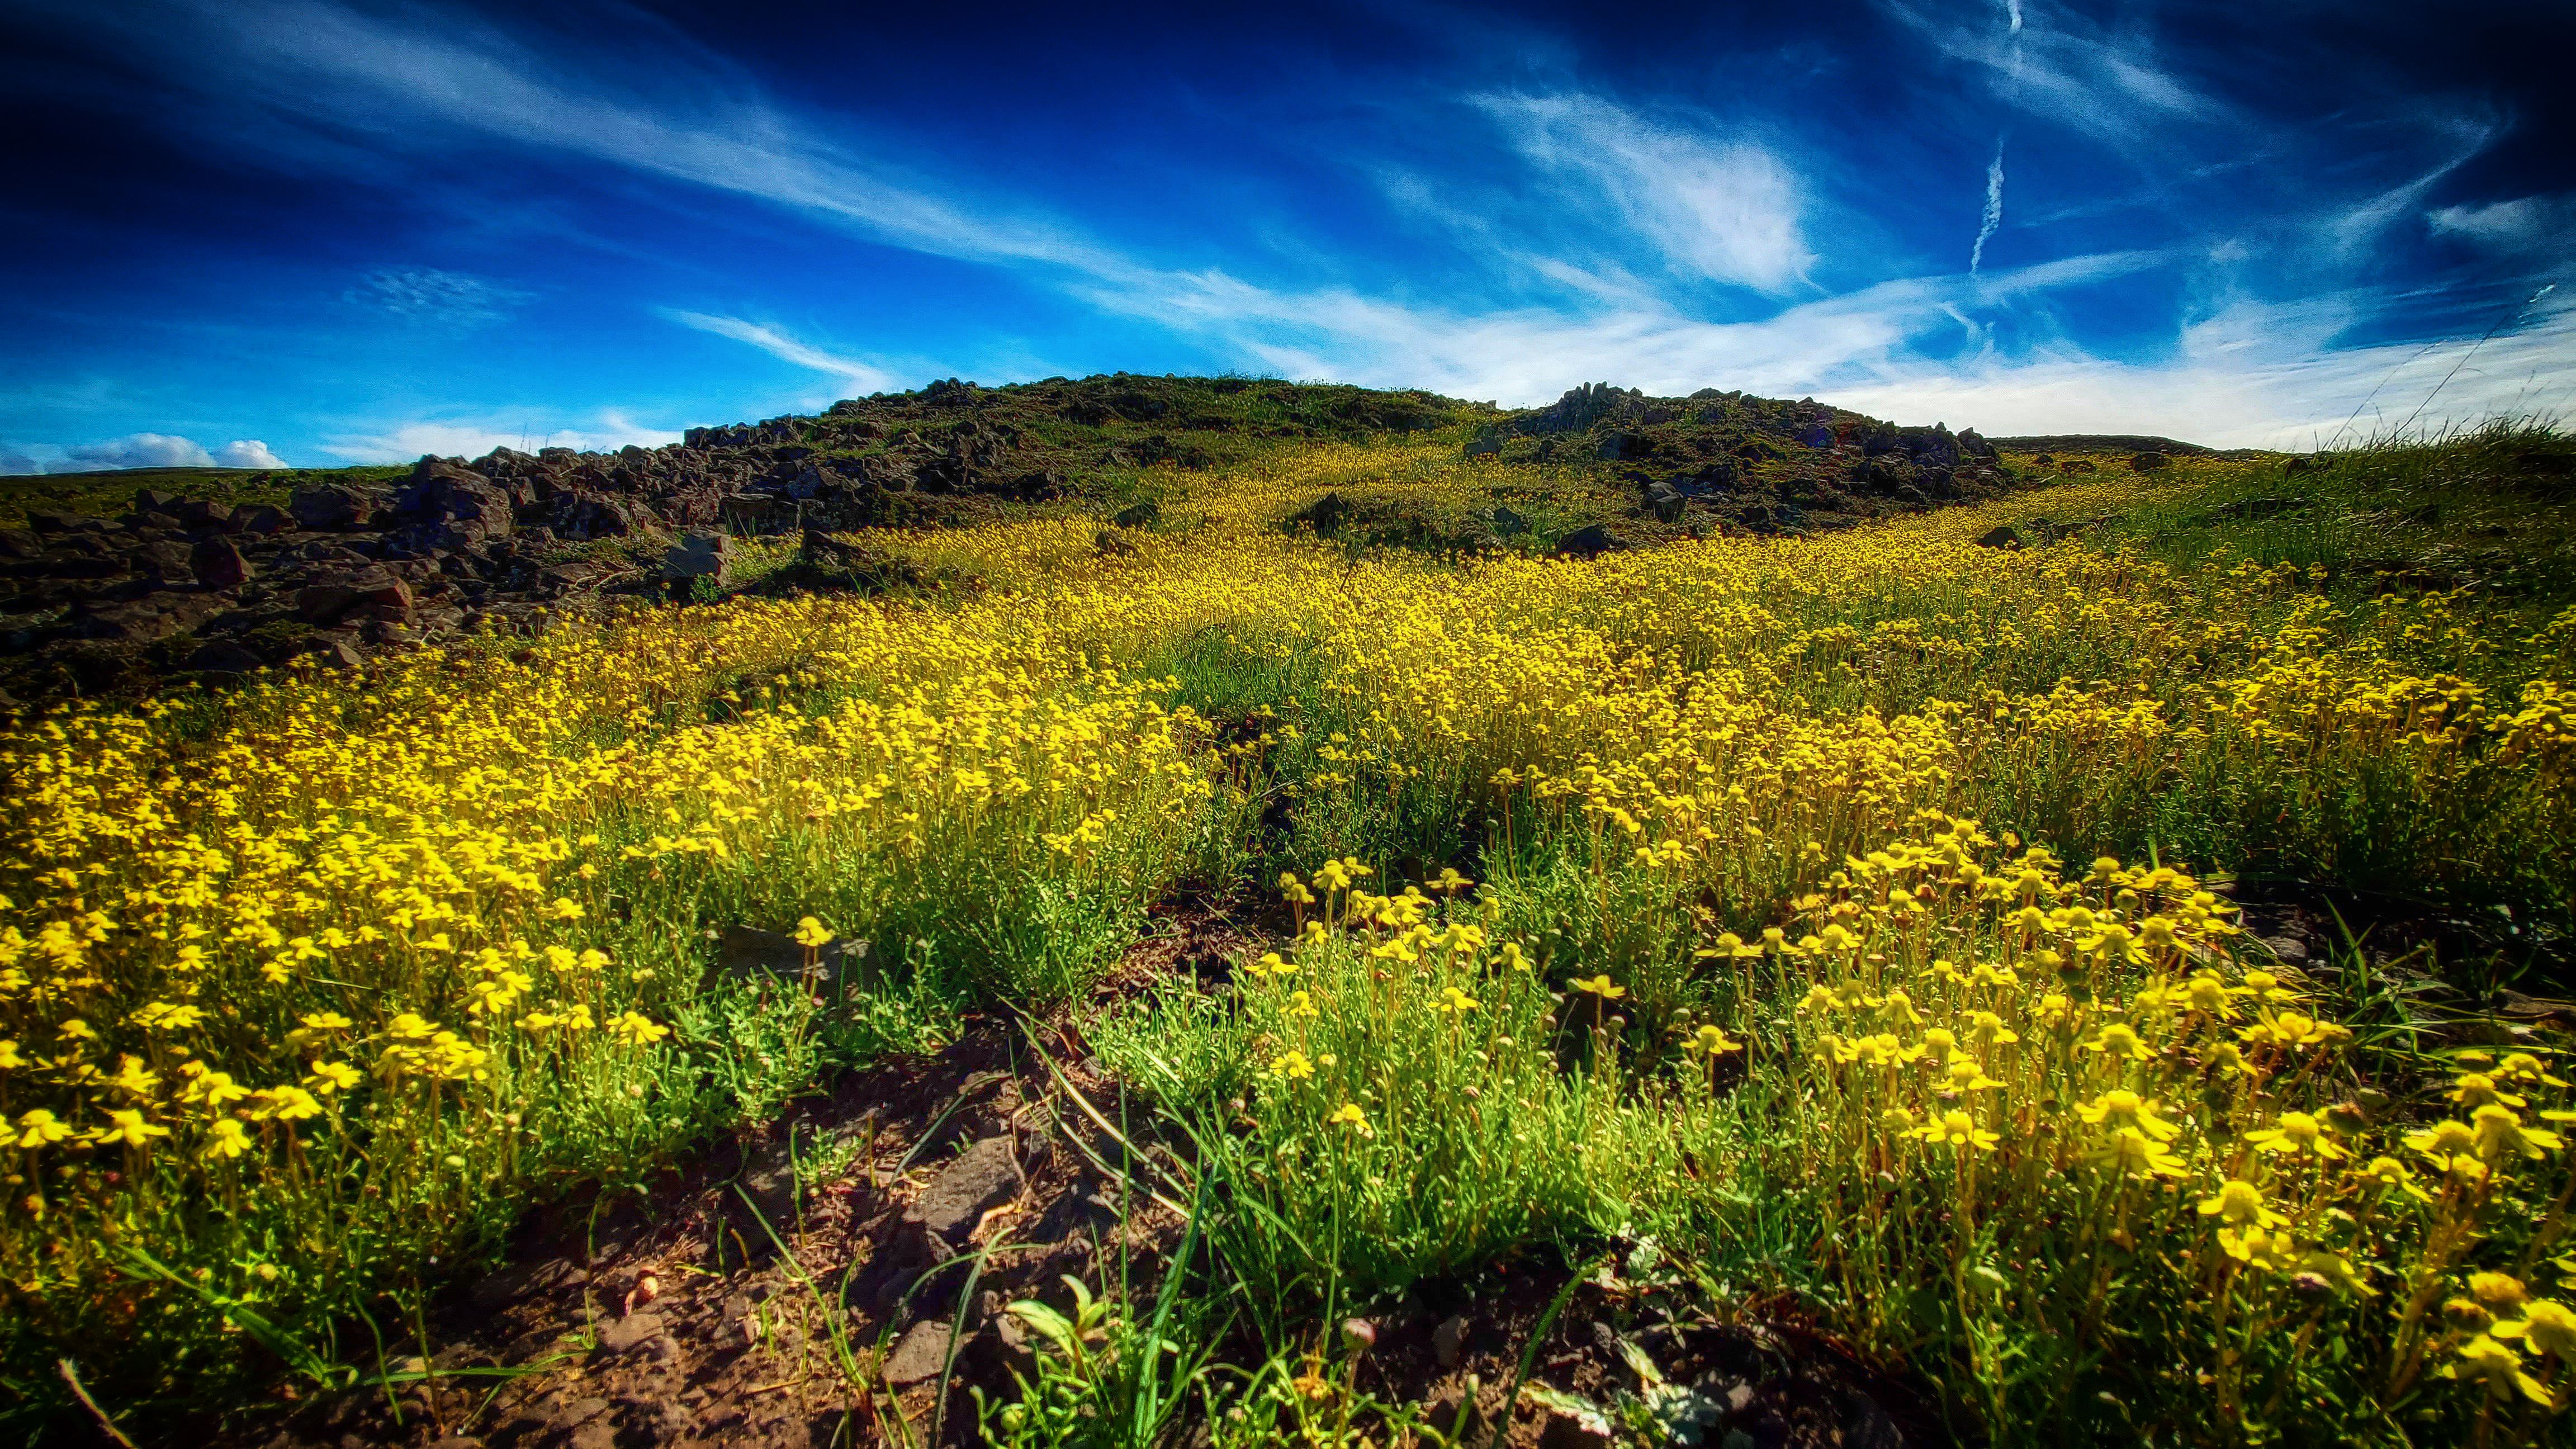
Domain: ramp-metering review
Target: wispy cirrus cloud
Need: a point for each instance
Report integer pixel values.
(1720, 207)
(438, 297)
(1607, 218)
(2057, 63)
(857, 374)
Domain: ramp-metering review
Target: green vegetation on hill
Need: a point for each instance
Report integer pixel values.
(1910, 944)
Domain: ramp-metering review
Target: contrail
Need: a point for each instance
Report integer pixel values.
(1994, 217)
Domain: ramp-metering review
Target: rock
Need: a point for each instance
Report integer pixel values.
(699, 555)
(61, 523)
(451, 509)
(768, 1182)
(20, 543)
(152, 500)
(224, 657)
(219, 565)
(202, 513)
(331, 595)
(1865, 1424)
(2002, 535)
(625, 1335)
(983, 1176)
(919, 1355)
(1589, 542)
(2150, 462)
(336, 506)
(1325, 515)
(1505, 523)
(169, 562)
(1448, 1338)
(260, 520)
(1137, 515)
(331, 651)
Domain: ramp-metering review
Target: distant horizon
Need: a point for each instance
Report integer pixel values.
(315, 233)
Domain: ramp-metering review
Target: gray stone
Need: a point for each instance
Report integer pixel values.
(1447, 1339)
(625, 1335)
(699, 555)
(983, 1176)
(2002, 535)
(919, 1355)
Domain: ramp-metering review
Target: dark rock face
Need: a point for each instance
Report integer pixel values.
(335, 506)
(1589, 542)
(219, 565)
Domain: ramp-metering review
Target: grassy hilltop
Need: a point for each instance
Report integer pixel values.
(1649, 920)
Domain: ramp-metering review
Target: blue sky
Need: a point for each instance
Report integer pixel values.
(328, 232)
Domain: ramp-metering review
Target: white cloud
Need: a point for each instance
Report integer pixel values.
(2250, 376)
(137, 450)
(427, 294)
(1712, 207)
(1728, 210)
(473, 437)
(2528, 221)
(16, 463)
(2069, 69)
(858, 375)
(1993, 219)
(247, 453)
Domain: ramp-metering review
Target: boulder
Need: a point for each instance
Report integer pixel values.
(222, 656)
(331, 651)
(61, 523)
(337, 506)
(331, 595)
(1325, 515)
(2002, 535)
(2150, 462)
(1589, 542)
(219, 565)
(699, 555)
(201, 513)
(166, 561)
(260, 520)
(449, 508)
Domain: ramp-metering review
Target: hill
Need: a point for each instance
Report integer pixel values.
(212, 575)
(1434, 933)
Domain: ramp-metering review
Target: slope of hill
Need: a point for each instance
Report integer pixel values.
(2083, 963)
(245, 571)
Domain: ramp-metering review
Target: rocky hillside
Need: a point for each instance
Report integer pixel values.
(333, 566)
(1756, 463)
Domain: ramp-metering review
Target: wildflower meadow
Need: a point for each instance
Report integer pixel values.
(1859, 919)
